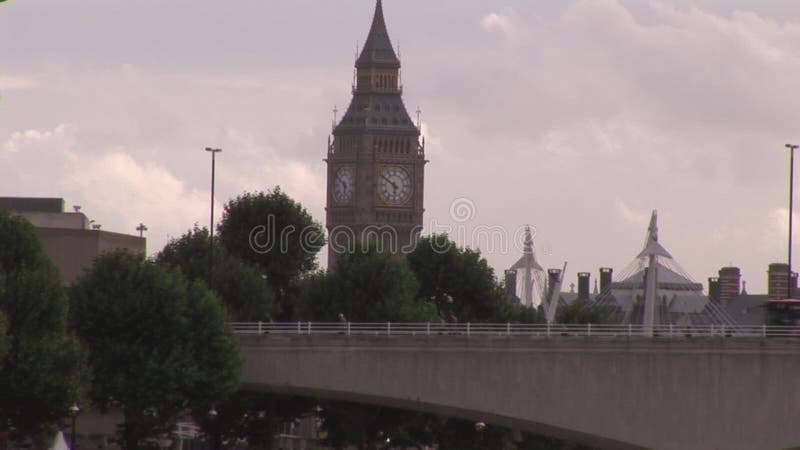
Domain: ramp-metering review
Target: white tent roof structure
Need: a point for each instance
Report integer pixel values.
(670, 275)
(528, 259)
(677, 298)
(531, 289)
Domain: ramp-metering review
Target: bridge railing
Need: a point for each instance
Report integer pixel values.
(511, 329)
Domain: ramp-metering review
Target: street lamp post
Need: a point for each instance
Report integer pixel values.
(214, 432)
(73, 412)
(791, 148)
(213, 152)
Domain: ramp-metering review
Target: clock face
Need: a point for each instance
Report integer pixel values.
(344, 183)
(394, 185)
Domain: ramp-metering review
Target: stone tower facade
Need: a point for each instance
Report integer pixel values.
(375, 161)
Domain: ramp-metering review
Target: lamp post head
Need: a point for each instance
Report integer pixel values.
(74, 409)
(791, 146)
(213, 150)
(213, 413)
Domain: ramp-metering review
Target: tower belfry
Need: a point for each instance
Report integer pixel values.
(375, 161)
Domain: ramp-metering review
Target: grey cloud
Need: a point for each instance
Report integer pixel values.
(678, 105)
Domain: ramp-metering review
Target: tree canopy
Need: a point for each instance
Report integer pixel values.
(40, 362)
(275, 233)
(366, 286)
(458, 281)
(158, 343)
(239, 285)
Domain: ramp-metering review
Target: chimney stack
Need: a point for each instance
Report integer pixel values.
(511, 287)
(583, 285)
(777, 281)
(713, 289)
(552, 278)
(605, 279)
(729, 283)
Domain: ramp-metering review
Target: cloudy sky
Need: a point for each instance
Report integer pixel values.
(577, 117)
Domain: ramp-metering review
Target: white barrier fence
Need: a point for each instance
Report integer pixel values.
(510, 329)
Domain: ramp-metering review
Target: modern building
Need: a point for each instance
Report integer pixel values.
(70, 239)
(376, 161)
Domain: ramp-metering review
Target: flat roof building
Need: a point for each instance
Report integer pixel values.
(69, 238)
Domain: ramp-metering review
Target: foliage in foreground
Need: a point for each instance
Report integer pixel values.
(248, 416)
(41, 373)
(159, 345)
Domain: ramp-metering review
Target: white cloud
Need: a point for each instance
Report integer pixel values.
(262, 167)
(121, 192)
(572, 113)
(10, 82)
(777, 228)
(113, 187)
(504, 23)
(434, 147)
(631, 215)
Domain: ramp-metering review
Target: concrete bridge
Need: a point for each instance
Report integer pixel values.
(610, 390)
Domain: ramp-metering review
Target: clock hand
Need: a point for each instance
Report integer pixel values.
(394, 185)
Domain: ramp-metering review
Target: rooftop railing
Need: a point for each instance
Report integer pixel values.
(509, 329)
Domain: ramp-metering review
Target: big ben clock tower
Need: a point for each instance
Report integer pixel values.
(375, 161)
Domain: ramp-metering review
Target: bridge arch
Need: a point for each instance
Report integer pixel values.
(614, 393)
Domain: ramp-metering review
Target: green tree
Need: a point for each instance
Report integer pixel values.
(248, 297)
(523, 314)
(240, 286)
(458, 281)
(40, 362)
(158, 344)
(275, 233)
(581, 311)
(366, 286)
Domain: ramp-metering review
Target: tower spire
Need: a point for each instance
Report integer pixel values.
(378, 51)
